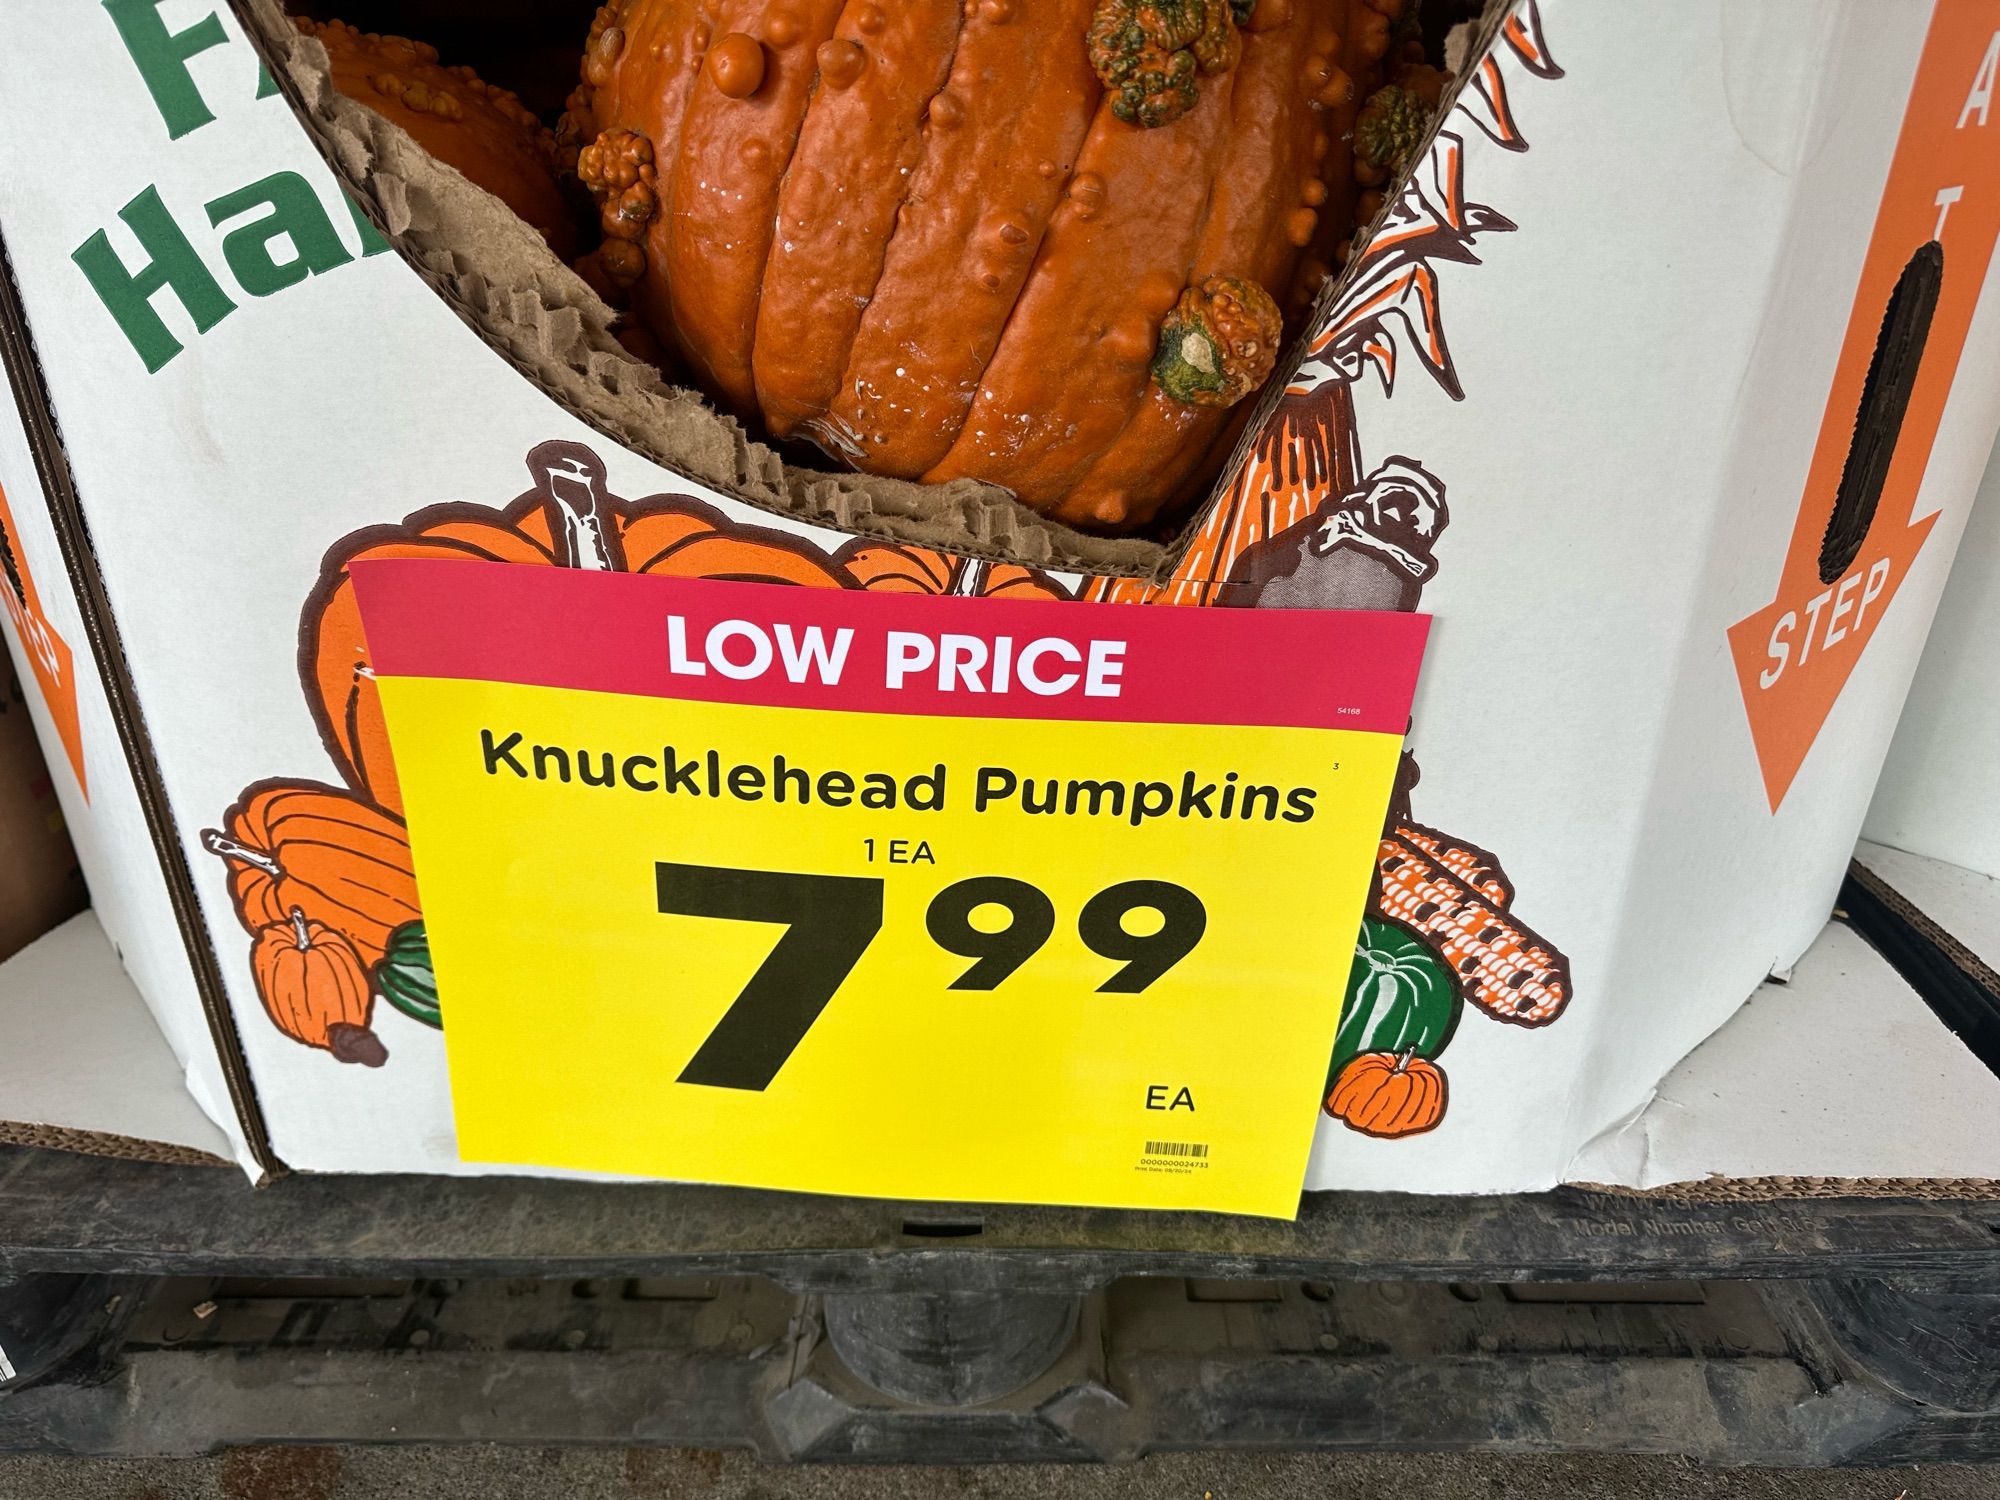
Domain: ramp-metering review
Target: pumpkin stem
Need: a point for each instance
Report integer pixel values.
(300, 935)
(583, 522)
(215, 841)
(971, 578)
(355, 1044)
(1403, 1062)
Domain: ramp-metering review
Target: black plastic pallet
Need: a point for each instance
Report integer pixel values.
(170, 1309)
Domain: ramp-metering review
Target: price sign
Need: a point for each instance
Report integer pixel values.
(866, 893)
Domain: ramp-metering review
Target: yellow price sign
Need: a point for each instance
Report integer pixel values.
(923, 898)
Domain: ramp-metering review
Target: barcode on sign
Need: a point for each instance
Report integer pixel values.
(1176, 1148)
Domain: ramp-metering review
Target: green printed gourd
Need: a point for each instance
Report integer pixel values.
(1401, 998)
(404, 977)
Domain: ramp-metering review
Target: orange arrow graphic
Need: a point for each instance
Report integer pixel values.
(48, 653)
(1855, 538)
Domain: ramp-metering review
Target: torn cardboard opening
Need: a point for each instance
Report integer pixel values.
(496, 272)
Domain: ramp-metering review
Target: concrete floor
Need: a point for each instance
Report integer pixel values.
(654, 1474)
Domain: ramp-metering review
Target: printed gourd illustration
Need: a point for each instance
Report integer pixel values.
(321, 876)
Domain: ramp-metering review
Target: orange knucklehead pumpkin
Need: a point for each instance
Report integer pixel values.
(570, 519)
(296, 846)
(484, 132)
(1042, 243)
(1384, 1094)
(315, 988)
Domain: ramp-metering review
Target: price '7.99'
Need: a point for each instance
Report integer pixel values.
(830, 920)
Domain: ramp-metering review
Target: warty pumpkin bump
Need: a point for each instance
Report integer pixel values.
(929, 237)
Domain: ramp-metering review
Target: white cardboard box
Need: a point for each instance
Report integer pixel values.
(1940, 790)
(1774, 1102)
(1666, 240)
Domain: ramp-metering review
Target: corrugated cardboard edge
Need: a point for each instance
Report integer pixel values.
(496, 273)
(105, 1143)
(1771, 1189)
(1971, 964)
(66, 515)
(1959, 986)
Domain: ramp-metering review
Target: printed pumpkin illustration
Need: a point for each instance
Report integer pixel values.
(315, 989)
(895, 568)
(341, 859)
(1050, 244)
(297, 846)
(568, 520)
(1388, 1094)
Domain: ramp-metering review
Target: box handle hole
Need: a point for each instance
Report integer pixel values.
(942, 1229)
(1885, 397)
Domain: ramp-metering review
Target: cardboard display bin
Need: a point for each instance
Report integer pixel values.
(1662, 382)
